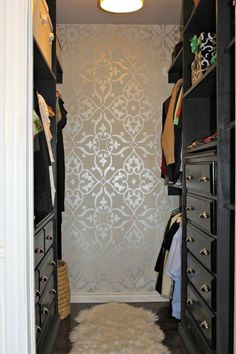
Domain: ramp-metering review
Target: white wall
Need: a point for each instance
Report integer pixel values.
(115, 80)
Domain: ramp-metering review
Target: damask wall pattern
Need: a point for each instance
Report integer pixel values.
(116, 204)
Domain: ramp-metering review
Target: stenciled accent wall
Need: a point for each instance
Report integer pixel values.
(115, 80)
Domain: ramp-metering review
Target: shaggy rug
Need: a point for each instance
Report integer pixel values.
(117, 328)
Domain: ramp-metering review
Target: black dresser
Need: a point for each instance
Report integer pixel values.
(201, 242)
(208, 188)
(47, 73)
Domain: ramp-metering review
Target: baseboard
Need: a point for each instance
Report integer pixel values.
(77, 297)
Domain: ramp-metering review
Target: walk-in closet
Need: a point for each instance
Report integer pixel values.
(117, 177)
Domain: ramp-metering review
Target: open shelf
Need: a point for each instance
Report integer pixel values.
(175, 70)
(202, 19)
(205, 87)
(204, 147)
(230, 45)
(41, 69)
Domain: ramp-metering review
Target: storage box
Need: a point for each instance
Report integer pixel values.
(35, 21)
(43, 29)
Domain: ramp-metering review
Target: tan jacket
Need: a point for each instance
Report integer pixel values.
(168, 137)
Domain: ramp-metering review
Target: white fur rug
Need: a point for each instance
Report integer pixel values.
(117, 328)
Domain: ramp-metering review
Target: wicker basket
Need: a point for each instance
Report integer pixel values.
(63, 290)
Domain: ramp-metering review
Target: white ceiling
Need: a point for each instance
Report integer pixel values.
(87, 11)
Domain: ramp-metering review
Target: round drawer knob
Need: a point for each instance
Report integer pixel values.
(190, 271)
(43, 278)
(38, 250)
(50, 238)
(189, 239)
(204, 215)
(189, 301)
(38, 330)
(37, 293)
(205, 288)
(45, 311)
(204, 179)
(204, 325)
(52, 263)
(189, 178)
(189, 208)
(204, 252)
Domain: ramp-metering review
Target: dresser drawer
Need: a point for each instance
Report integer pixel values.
(48, 232)
(47, 299)
(45, 269)
(202, 246)
(38, 247)
(38, 327)
(36, 286)
(204, 318)
(203, 281)
(201, 212)
(201, 177)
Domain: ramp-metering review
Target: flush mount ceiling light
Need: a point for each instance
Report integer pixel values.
(121, 6)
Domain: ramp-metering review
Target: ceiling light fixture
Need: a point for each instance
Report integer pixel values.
(121, 6)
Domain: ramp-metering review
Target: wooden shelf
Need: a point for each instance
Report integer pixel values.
(175, 70)
(230, 45)
(205, 87)
(41, 69)
(202, 19)
(204, 147)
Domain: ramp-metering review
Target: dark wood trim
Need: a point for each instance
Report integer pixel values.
(230, 45)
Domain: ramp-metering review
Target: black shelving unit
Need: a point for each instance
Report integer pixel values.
(208, 188)
(46, 304)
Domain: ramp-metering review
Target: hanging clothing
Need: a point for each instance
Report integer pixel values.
(42, 189)
(172, 269)
(162, 256)
(165, 107)
(61, 118)
(61, 115)
(172, 171)
(167, 138)
(43, 108)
